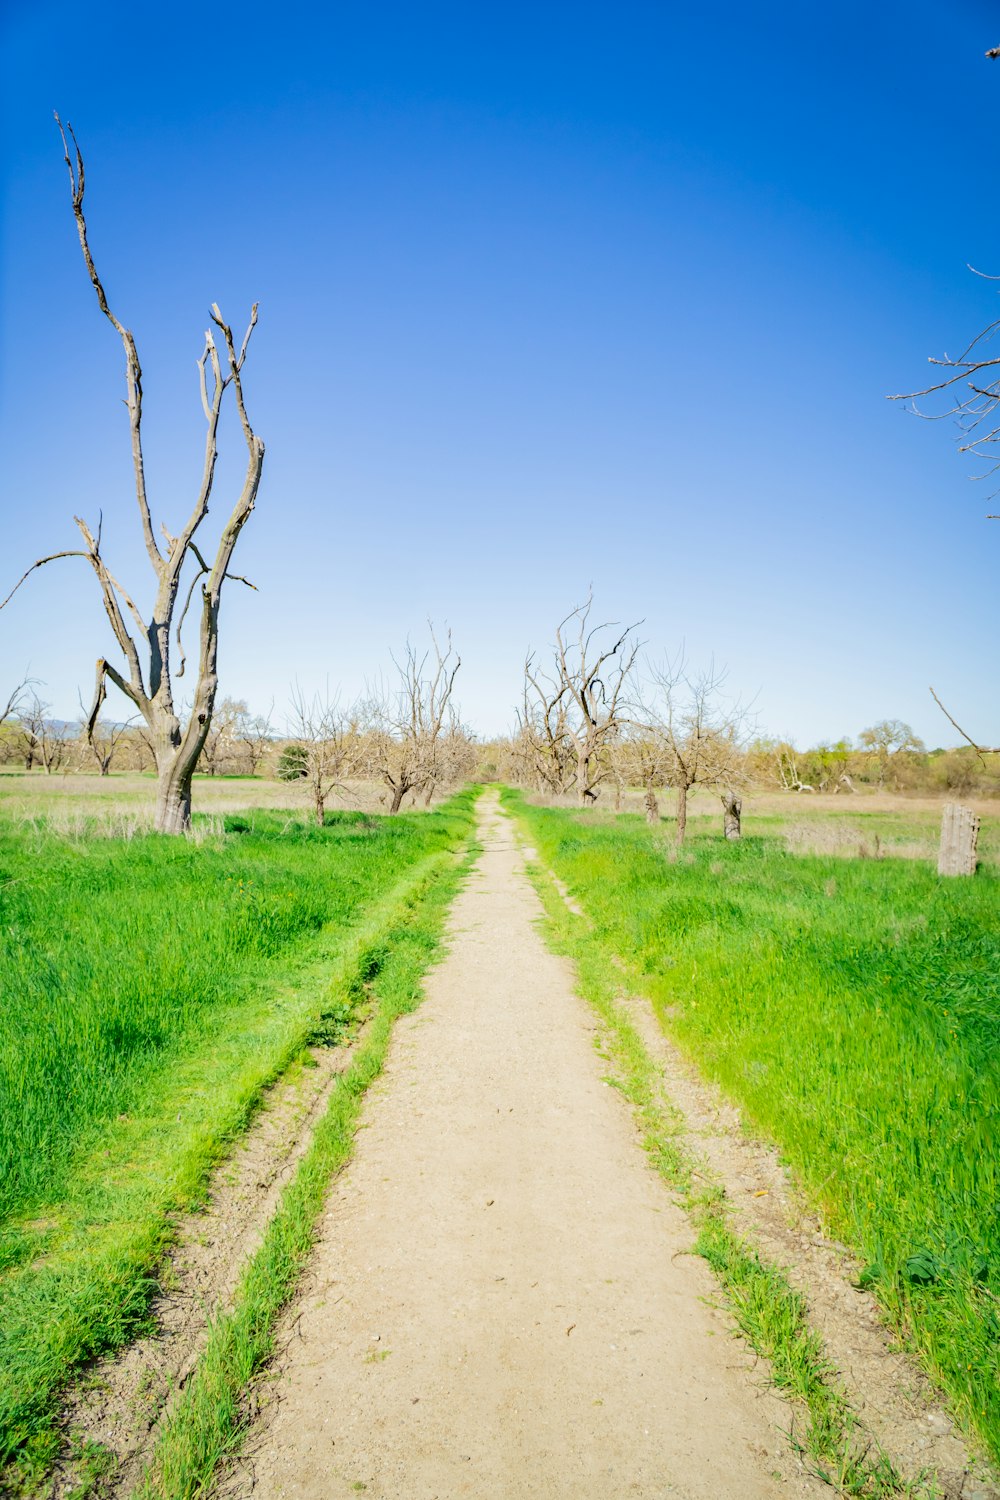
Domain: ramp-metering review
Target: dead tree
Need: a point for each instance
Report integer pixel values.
(105, 740)
(702, 735)
(410, 727)
(219, 747)
(44, 743)
(968, 395)
(579, 705)
(543, 734)
(640, 757)
(254, 733)
(145, 644)
(329, 741)
(15, 701)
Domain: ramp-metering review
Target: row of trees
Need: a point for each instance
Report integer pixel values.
(586, 718)
(238, 742)
(591, 721)
(404, 733)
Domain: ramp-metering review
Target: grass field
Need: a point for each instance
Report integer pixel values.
(852, 1007)
(152, 988)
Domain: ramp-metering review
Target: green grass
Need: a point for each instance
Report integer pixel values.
(852, 1007)
(152, 991)
(212, 1413)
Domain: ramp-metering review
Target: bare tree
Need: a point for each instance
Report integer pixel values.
(15, 700)
(254, 733)
(176, 744)
(701, 733)
(411, 726)
(641, 757)
(968, 395)
(30, 723)
(544, 745)
(219, 747)
(105, 740)
(577, 707)
(328, 741)
(45, 742)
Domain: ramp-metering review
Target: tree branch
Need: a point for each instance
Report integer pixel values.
(978, 748)
(53, 557)
(133, 370)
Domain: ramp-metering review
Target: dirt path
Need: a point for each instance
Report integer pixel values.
(500, 1304)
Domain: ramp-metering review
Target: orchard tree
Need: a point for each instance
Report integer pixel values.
(44, 741)
(219, 747)
(105, 741)
(701, 734)
(254, 734)
(15, 700)
(410, 726)
(543, 749)
(147, 679)
(577, 704)
(641, 756)
(325, 744)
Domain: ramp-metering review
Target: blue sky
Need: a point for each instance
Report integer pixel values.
(550, 295)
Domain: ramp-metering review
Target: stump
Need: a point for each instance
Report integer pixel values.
(732, 808)
(959, 837)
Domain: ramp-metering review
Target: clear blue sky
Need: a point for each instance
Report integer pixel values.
(550, 294)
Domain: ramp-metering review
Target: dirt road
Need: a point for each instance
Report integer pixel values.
(501, 1304)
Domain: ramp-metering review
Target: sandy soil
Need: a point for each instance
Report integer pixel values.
(501, 1303)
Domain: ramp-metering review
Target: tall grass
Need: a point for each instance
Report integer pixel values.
(116, 958)
(853, 1009)
(151, 990)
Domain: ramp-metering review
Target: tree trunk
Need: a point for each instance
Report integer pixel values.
(732, 808)
(652, 806)
(173, 800)
(430, 794)
(320, 803)
(682, 813)
(398, 793)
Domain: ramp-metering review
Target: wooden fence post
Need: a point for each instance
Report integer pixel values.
(959, 837)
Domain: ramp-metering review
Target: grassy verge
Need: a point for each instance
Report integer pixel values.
(769, 1311)
(208, 1420)
(80, 1259)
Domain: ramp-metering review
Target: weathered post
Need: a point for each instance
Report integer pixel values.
(959, 837)
(732, 808)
